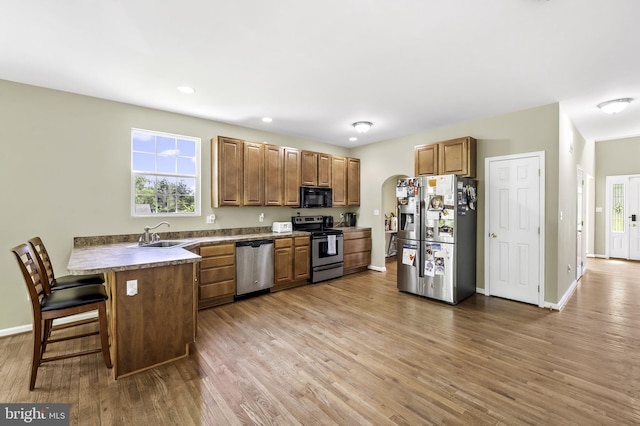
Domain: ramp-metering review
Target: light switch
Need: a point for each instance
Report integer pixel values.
(132, 287)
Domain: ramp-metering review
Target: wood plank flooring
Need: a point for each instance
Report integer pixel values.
(355, 351)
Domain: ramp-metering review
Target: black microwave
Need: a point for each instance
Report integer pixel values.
(314, 197)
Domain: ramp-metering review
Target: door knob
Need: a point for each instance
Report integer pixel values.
(493, 235)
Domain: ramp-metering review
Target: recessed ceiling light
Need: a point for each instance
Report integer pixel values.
(186, 90)
(353, 139)
(267, 119)
(614, 106)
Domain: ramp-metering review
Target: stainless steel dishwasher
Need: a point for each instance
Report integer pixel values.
(254, 266)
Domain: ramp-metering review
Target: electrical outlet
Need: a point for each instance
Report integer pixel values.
(261, 217)
(341, 215)
(211, 218)
(132, 287)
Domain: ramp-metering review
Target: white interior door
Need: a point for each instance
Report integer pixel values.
(633, 218)
(616, 212)
(514, 212)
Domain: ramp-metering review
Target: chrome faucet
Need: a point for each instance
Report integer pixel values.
(147, 238)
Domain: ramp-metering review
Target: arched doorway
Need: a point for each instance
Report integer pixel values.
(390, 208)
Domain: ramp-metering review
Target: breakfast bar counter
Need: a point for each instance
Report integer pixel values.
(152, 301)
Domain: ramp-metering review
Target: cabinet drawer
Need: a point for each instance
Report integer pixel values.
(217, 250)
(352, 246)
(283, 242)
(214, 275)
(213, 262)
(218, 289)
(356, 259)
(302, 241)
(353, 235)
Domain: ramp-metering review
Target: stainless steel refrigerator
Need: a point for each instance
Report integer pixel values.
(437, 237)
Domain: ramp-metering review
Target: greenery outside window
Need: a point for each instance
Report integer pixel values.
(165, 174)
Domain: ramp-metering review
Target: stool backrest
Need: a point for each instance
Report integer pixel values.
(37, 282)
(43, 257)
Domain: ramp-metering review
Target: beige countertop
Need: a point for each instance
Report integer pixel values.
(95, 259)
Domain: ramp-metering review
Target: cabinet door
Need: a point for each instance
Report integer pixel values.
(339, 180)
(426, 159)
(291, 177)
(253, 174)
(458, 156)
(309, 175)
(353, 182)
(302, 262)
(324, 170)
(283, 260)
(230, 153)
(273, 175)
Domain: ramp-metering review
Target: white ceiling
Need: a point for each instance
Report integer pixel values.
(316, 67)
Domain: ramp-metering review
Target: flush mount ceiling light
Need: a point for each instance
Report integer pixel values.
(362, 126)
(267, 119)
(353, 139)
(614, 106)
(186, 90)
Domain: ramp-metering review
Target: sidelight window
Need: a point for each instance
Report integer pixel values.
(165, 174)
(617, 203)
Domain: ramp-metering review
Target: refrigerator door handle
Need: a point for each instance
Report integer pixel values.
(420, 233)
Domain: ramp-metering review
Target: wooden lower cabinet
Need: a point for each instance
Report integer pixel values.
(216, 275)
(291, 263)
(155, 325)
(357, 250)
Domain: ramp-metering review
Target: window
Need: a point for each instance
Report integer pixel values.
(165, 174)
(617, 202)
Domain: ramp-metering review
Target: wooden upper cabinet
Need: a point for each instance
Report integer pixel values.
(324, 170)
(339, 180)
(273, 175)
(230, 172)
(253, 174)
(457, 156)
(353, 182)
(316, 169)
(309, 174)
(426, 159)
(291, 177)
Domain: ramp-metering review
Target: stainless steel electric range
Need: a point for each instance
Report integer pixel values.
(327, 261)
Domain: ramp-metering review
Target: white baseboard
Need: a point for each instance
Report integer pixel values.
(565, 298)
(479, 290)
(600, 256)
(28, 327)
(377, 268)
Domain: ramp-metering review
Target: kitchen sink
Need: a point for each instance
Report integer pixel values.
(163, 244)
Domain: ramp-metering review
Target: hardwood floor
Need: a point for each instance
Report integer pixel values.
(356, 351)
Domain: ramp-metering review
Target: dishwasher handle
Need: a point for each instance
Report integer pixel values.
(253, 243)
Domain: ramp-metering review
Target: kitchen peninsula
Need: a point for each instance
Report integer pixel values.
(153, 321)
(152, 301)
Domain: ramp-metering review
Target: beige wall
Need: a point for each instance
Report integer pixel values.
(65, 166)
(66, 158)
(574, 151)
(615, 157)
(524, 131)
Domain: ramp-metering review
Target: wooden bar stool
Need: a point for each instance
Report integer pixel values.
(66, 281)
(48, 306)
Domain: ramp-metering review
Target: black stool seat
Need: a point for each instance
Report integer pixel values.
(75, 296)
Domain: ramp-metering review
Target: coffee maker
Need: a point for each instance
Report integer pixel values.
(350, 219)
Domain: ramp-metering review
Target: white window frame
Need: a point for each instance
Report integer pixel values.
(197, 176)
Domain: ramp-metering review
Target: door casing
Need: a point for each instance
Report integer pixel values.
(487, 260)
